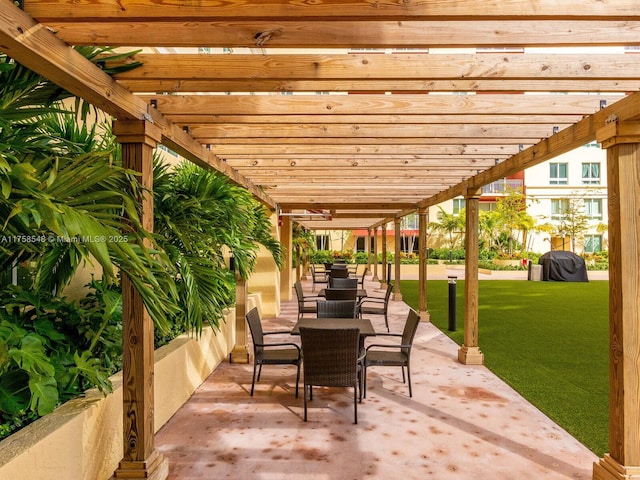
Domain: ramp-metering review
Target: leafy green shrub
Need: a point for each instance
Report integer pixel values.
(52, 350)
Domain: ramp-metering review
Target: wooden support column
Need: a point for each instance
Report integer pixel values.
(240, 351)
(383, 280)
(622, 141)
(423, 220)
(286, 238)
(397, 294)
(469, 352)
(368, 250)
(375, 255)
(141, 459)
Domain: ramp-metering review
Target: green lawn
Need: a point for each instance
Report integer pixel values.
(548, 340)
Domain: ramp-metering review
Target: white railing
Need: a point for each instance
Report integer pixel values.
(500, 187)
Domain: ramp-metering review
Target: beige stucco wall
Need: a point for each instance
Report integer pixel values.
(266, 281)
(82, 439)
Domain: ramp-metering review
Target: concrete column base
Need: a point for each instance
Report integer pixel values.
(397, 297)
(375, 279)
(155, 467)
(425, 316)
(239, 354)
(610, 469)
(470, 356)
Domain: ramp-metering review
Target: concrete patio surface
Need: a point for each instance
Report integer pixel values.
(462, 423)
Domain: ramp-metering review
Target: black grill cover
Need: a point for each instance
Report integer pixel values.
(563, 266)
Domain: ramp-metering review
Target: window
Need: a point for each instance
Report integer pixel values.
(458, 204)
(559, 208)
(592, 243)
(593, 208)
(558, 174)
(322, 242)
(591, 173)
(487, 206)
(361, 242)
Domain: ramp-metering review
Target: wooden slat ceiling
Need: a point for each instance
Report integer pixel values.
(420, 100)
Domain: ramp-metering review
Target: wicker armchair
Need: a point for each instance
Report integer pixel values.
(377, 305)
(393, 355)
(304, 305)
(331, 359)
(281, 353)
(337, 308)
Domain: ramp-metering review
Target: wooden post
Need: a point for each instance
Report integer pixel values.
(240, 351)
(286, 239)
(383, 280)
(622, 142)
(368, 250)
(397, 294)
(469, 353)
(375, 255)
(423, 219)
(141, 459)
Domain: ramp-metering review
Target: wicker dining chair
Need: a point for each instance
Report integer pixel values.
(306, 303)
(339, 272)
(331, 359)
(319, 275)
(275, 353)
(393, 355)
(377, 305)
(337, 308)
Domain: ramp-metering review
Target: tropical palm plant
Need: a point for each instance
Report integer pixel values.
(199, 214)
(61, 201)
(450, 224)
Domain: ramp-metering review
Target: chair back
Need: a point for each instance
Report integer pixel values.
(387, 294)
(341, 293)
(255, 327)
(337, 308)
(409, 331)
(299, 292)
(330, 356)
(344, 283)
(317, 271)
(337, 272)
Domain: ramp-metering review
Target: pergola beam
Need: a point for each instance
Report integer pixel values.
(38, 49)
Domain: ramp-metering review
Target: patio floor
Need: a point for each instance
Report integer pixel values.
(462, 423)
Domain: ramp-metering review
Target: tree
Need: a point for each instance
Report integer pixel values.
(449, 224)
(574, 221)
(513, 217)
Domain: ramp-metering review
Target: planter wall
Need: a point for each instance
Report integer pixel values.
(82, 439)
(409, 271)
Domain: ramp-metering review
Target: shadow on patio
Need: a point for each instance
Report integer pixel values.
(462, 423)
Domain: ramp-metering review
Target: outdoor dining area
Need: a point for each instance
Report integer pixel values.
(454, 421)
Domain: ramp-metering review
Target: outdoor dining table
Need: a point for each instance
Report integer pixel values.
(364, 324)
(361, 293)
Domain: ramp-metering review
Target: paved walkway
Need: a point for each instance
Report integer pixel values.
(462, 423)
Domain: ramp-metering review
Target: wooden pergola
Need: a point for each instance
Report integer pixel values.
(423, 101)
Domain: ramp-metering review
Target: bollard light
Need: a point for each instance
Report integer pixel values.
(452, 303)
